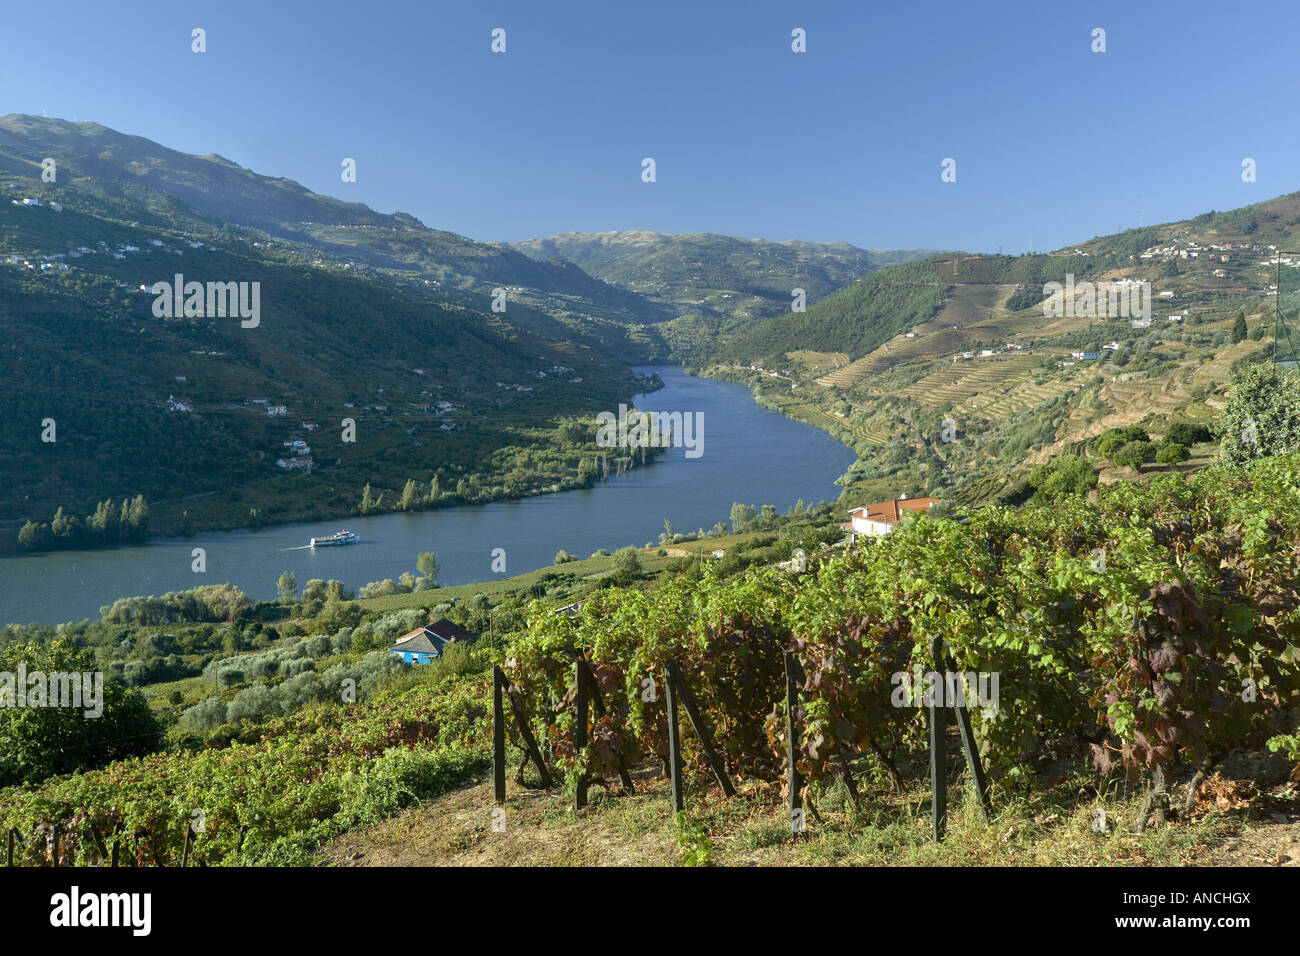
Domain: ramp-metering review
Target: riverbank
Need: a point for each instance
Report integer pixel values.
(541, 462)
(749, 455)
(806, 411)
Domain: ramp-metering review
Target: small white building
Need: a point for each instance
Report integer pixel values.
(878, 519)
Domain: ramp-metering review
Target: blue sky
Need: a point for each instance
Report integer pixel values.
(1053, 143)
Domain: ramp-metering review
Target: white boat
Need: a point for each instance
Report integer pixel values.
(338, 537)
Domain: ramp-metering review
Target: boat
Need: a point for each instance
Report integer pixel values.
(338, 537)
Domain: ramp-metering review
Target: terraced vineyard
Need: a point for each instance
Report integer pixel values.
(963, 380)
(1129, 400)
(897, 351)
(971, 313)
(1022, 396)
(812, 415)
(980, 490)
(817, 361)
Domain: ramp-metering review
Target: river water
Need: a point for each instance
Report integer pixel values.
(749, 454)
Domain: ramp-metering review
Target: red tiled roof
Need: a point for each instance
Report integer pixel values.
(891, 512)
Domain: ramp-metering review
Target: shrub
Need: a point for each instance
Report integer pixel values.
(1066, 475)
(1186, 433)
(252, 703)
(205, 715)
(626, 560)
(1133, 454)
(318, 646)
(1114, 439)
(1171, 452)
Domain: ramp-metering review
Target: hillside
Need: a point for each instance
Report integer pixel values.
(176, 408)
(963, 339)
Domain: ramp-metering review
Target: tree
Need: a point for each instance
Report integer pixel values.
(61, 525)
(741, 517)
(626, 561)
(1171, 452)
(516, 482)
(138, 516)
(563, 557)
(1134, 454)
(104, 521)
(286, 589)
(1261, 415)
(435, 492)
(427, 564)
(37, 742)
(1239, 328)
(33, 536)
(410, 496)
(1186, 433)
(1064, 476)
(1112, 440)
(368, 503)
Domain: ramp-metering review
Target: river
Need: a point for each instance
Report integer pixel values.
(749, 454)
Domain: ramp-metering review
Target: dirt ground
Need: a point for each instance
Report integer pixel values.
(1254, 828)
(457, 830)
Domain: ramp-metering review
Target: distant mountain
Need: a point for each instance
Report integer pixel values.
(107, 163)
(717, 276)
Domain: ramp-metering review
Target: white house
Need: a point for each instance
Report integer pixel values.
(876, 520)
